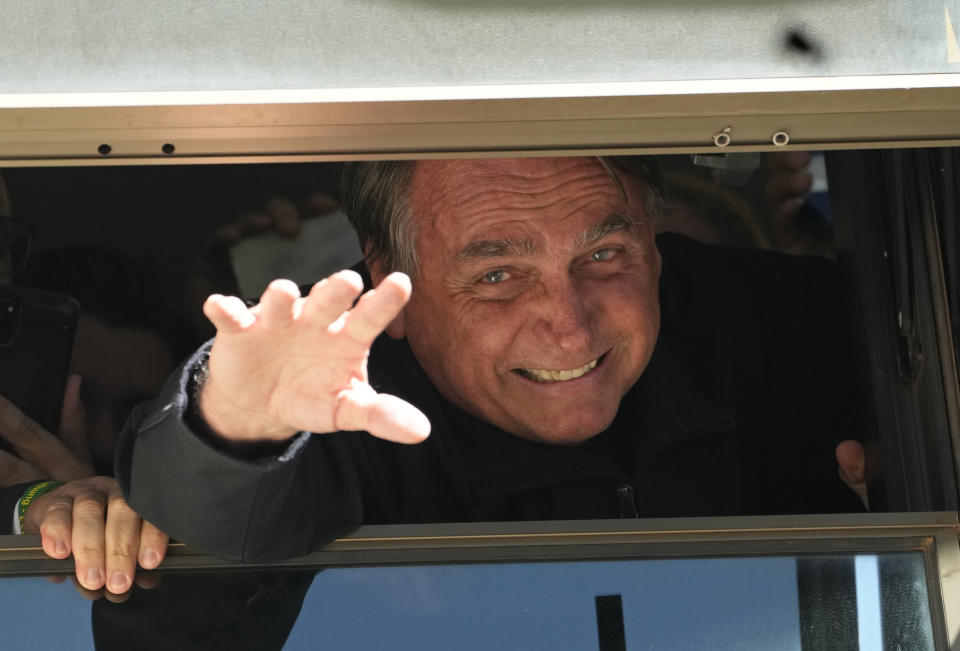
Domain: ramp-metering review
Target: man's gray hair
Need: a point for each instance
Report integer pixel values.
(376, 198)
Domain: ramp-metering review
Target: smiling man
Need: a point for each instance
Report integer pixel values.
(536, 302)
(523, 313)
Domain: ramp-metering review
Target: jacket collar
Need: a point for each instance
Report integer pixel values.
(662, 409)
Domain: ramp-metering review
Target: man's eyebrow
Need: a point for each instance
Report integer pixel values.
(611, 224)
(497, 249)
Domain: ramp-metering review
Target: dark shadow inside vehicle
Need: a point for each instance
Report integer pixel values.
(802, 363)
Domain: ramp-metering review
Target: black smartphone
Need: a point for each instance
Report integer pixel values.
(36, 341)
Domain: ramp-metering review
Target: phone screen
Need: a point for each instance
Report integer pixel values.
(36, 341)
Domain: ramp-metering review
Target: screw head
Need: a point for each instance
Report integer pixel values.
(781, 139)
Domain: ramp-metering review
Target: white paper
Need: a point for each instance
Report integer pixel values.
(325, 244)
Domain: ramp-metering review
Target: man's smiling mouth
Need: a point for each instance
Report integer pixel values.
(545, 375)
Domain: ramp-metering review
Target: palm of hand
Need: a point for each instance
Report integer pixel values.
(299, 363)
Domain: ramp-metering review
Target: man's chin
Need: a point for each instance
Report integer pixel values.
(568, 433)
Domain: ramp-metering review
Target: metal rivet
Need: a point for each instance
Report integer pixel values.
(781, 138)
(722, 139)
(168, 148)
(104, 149)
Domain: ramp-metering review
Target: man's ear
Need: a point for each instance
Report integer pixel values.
(396, 328)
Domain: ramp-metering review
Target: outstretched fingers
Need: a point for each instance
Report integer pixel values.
(360, 408)
(276, 308)
(153, 546)
(330, 298)
(378, 307)
(228, 314)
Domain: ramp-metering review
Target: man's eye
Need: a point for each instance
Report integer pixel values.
(495, 277)
(602, 255)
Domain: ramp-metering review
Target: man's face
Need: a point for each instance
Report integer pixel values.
(536, 305)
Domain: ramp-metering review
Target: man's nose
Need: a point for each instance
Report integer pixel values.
(565, 317)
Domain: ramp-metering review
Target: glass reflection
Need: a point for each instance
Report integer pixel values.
(777, 602)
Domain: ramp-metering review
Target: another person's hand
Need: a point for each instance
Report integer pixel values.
(852, 464)
(787, 181)
(211, 271)
(40, 454)
(86, 515)
(297, 363)
(90, 518)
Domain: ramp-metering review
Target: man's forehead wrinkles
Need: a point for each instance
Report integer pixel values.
(527, 193)
(481, 190)
(481, 209)
(551, 181)
(561, 206)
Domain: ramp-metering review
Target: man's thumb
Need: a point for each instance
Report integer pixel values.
(381, 414)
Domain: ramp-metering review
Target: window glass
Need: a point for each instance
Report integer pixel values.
(808, 602)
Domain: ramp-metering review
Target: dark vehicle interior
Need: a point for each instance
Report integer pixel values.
(142, 169)
(896, 251)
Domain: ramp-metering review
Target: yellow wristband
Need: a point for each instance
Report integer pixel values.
(31, 494)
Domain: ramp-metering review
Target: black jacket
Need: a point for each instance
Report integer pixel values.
(738, 413)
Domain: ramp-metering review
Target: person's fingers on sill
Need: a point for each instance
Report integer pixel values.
(89, 539)
(153, 546)
(122, 538)
(51, 515)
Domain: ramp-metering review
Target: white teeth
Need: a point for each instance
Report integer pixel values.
(541, 375)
